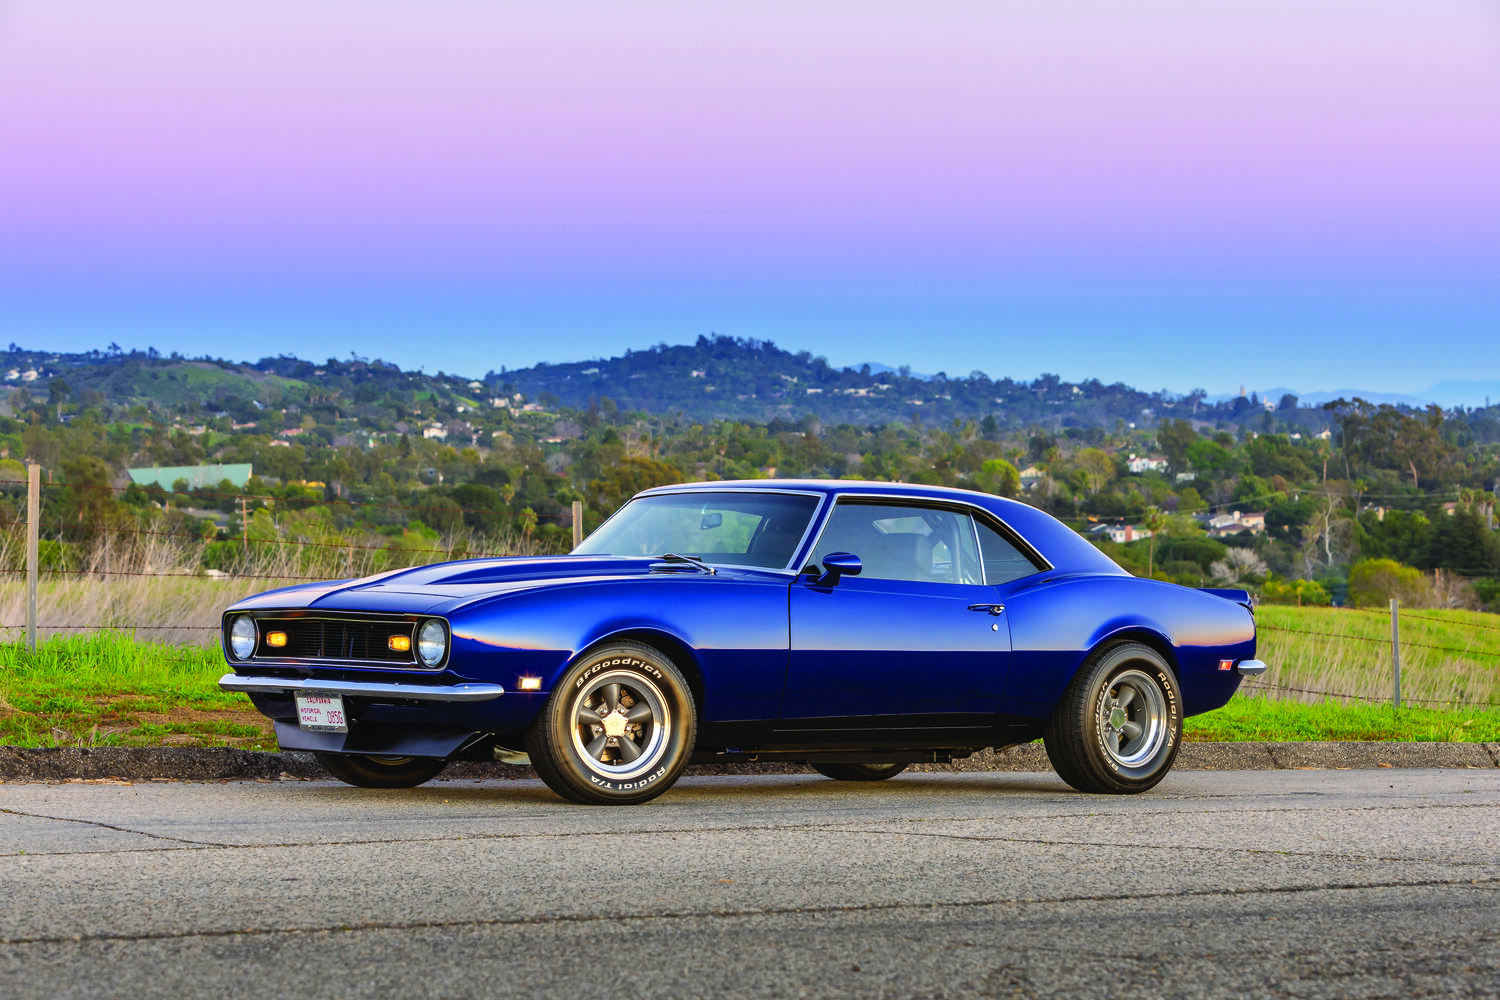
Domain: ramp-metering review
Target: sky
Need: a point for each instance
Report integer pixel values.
(1175, 194)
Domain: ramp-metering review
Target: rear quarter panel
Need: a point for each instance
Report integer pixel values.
(1057, 621)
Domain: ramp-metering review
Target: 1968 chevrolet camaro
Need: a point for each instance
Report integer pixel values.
(858, 627)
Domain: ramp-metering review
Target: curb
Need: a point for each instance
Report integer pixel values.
(20, 764)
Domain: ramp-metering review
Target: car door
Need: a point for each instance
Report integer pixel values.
(916, 641)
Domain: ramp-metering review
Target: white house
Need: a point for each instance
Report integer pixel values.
(1146, 463)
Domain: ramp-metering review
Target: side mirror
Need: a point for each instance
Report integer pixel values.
(837, 564)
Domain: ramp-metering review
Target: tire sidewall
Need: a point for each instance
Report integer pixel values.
(676, 748)
(1114, 663)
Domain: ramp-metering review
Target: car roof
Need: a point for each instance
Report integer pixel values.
(1059, 544)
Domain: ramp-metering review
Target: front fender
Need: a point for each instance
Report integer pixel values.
(735, 631)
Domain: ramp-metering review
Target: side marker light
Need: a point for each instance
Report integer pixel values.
(531, 684)
(1226, 665)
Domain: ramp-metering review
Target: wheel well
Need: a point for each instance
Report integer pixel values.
(682, 658)
(1145, 638)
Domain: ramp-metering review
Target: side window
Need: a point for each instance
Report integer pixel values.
(1003, 562)
(896, 542)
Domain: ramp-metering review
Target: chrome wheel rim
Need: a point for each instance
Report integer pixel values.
(620, 725)
(1132, 718)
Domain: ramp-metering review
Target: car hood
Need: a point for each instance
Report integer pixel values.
(445, 587)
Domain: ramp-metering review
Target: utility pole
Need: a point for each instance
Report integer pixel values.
(577, 523)
(244, 531)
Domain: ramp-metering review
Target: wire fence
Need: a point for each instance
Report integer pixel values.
(157, 585)
(272, 499)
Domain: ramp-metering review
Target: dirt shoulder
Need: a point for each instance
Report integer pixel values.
(20, 764)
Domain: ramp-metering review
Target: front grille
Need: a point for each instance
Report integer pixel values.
(337, 639)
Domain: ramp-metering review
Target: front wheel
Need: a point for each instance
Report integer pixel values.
(1118, 727)
(380, 772)
(618, 728)
(857, 772)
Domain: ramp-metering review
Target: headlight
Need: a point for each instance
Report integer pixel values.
(432, 642)
(242, 637)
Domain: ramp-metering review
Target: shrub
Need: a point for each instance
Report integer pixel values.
(1373, 582)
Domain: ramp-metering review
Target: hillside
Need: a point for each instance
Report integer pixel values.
(714, 378)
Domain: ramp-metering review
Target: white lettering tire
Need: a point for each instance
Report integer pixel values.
(618, 728)
(1118, 727)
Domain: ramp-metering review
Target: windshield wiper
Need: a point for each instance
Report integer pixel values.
(673, 557)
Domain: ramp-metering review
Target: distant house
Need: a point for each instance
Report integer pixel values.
(1030, 476)
(435, 432)
(1233, 523)
(1146, 463)
(1120, 533)
(197, 476)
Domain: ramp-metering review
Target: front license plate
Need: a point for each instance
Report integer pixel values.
(322, 713)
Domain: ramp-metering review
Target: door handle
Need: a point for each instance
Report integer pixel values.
(993, 609)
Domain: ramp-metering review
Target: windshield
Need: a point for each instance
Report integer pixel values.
(743, 529)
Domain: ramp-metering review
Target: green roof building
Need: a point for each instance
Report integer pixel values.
(197, 476)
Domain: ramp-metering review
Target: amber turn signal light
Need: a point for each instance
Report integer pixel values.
(399, 643)
(275, 638)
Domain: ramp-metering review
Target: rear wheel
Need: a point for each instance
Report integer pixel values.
(857, 772)
(1118, 727)
(618, 728)
(381, 772)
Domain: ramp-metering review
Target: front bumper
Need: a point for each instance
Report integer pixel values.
(362, 689)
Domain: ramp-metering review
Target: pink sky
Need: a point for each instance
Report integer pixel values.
(831, 176)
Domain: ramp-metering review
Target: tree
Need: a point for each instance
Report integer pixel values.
(628, 477)
(1153, 523)
(1096, 467)
(999, 477)
(1373, 582)
(1175, 437)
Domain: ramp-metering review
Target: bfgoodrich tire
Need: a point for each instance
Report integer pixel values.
(857, 772)
(618, 728)
(1118, 727)
(381, 772)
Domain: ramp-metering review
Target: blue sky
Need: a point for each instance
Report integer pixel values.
(1170, 194)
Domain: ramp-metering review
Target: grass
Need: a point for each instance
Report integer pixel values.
(1330, 675)
(110, 689)
(1449, 659)
(1254, 718)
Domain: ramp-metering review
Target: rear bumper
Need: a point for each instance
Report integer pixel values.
(1251, 668)
(362, 689)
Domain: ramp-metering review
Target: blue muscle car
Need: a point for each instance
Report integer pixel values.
(858, 627)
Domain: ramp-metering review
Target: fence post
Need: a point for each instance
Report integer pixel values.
(1396, 651)
(577, 523)
(33, 546)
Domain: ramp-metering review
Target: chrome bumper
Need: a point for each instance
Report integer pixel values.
(362, 689)
(1251, 668)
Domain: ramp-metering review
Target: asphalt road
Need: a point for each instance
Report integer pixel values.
(1381, 883)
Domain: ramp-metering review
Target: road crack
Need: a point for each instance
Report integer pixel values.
(105, 826)
(748, 912)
